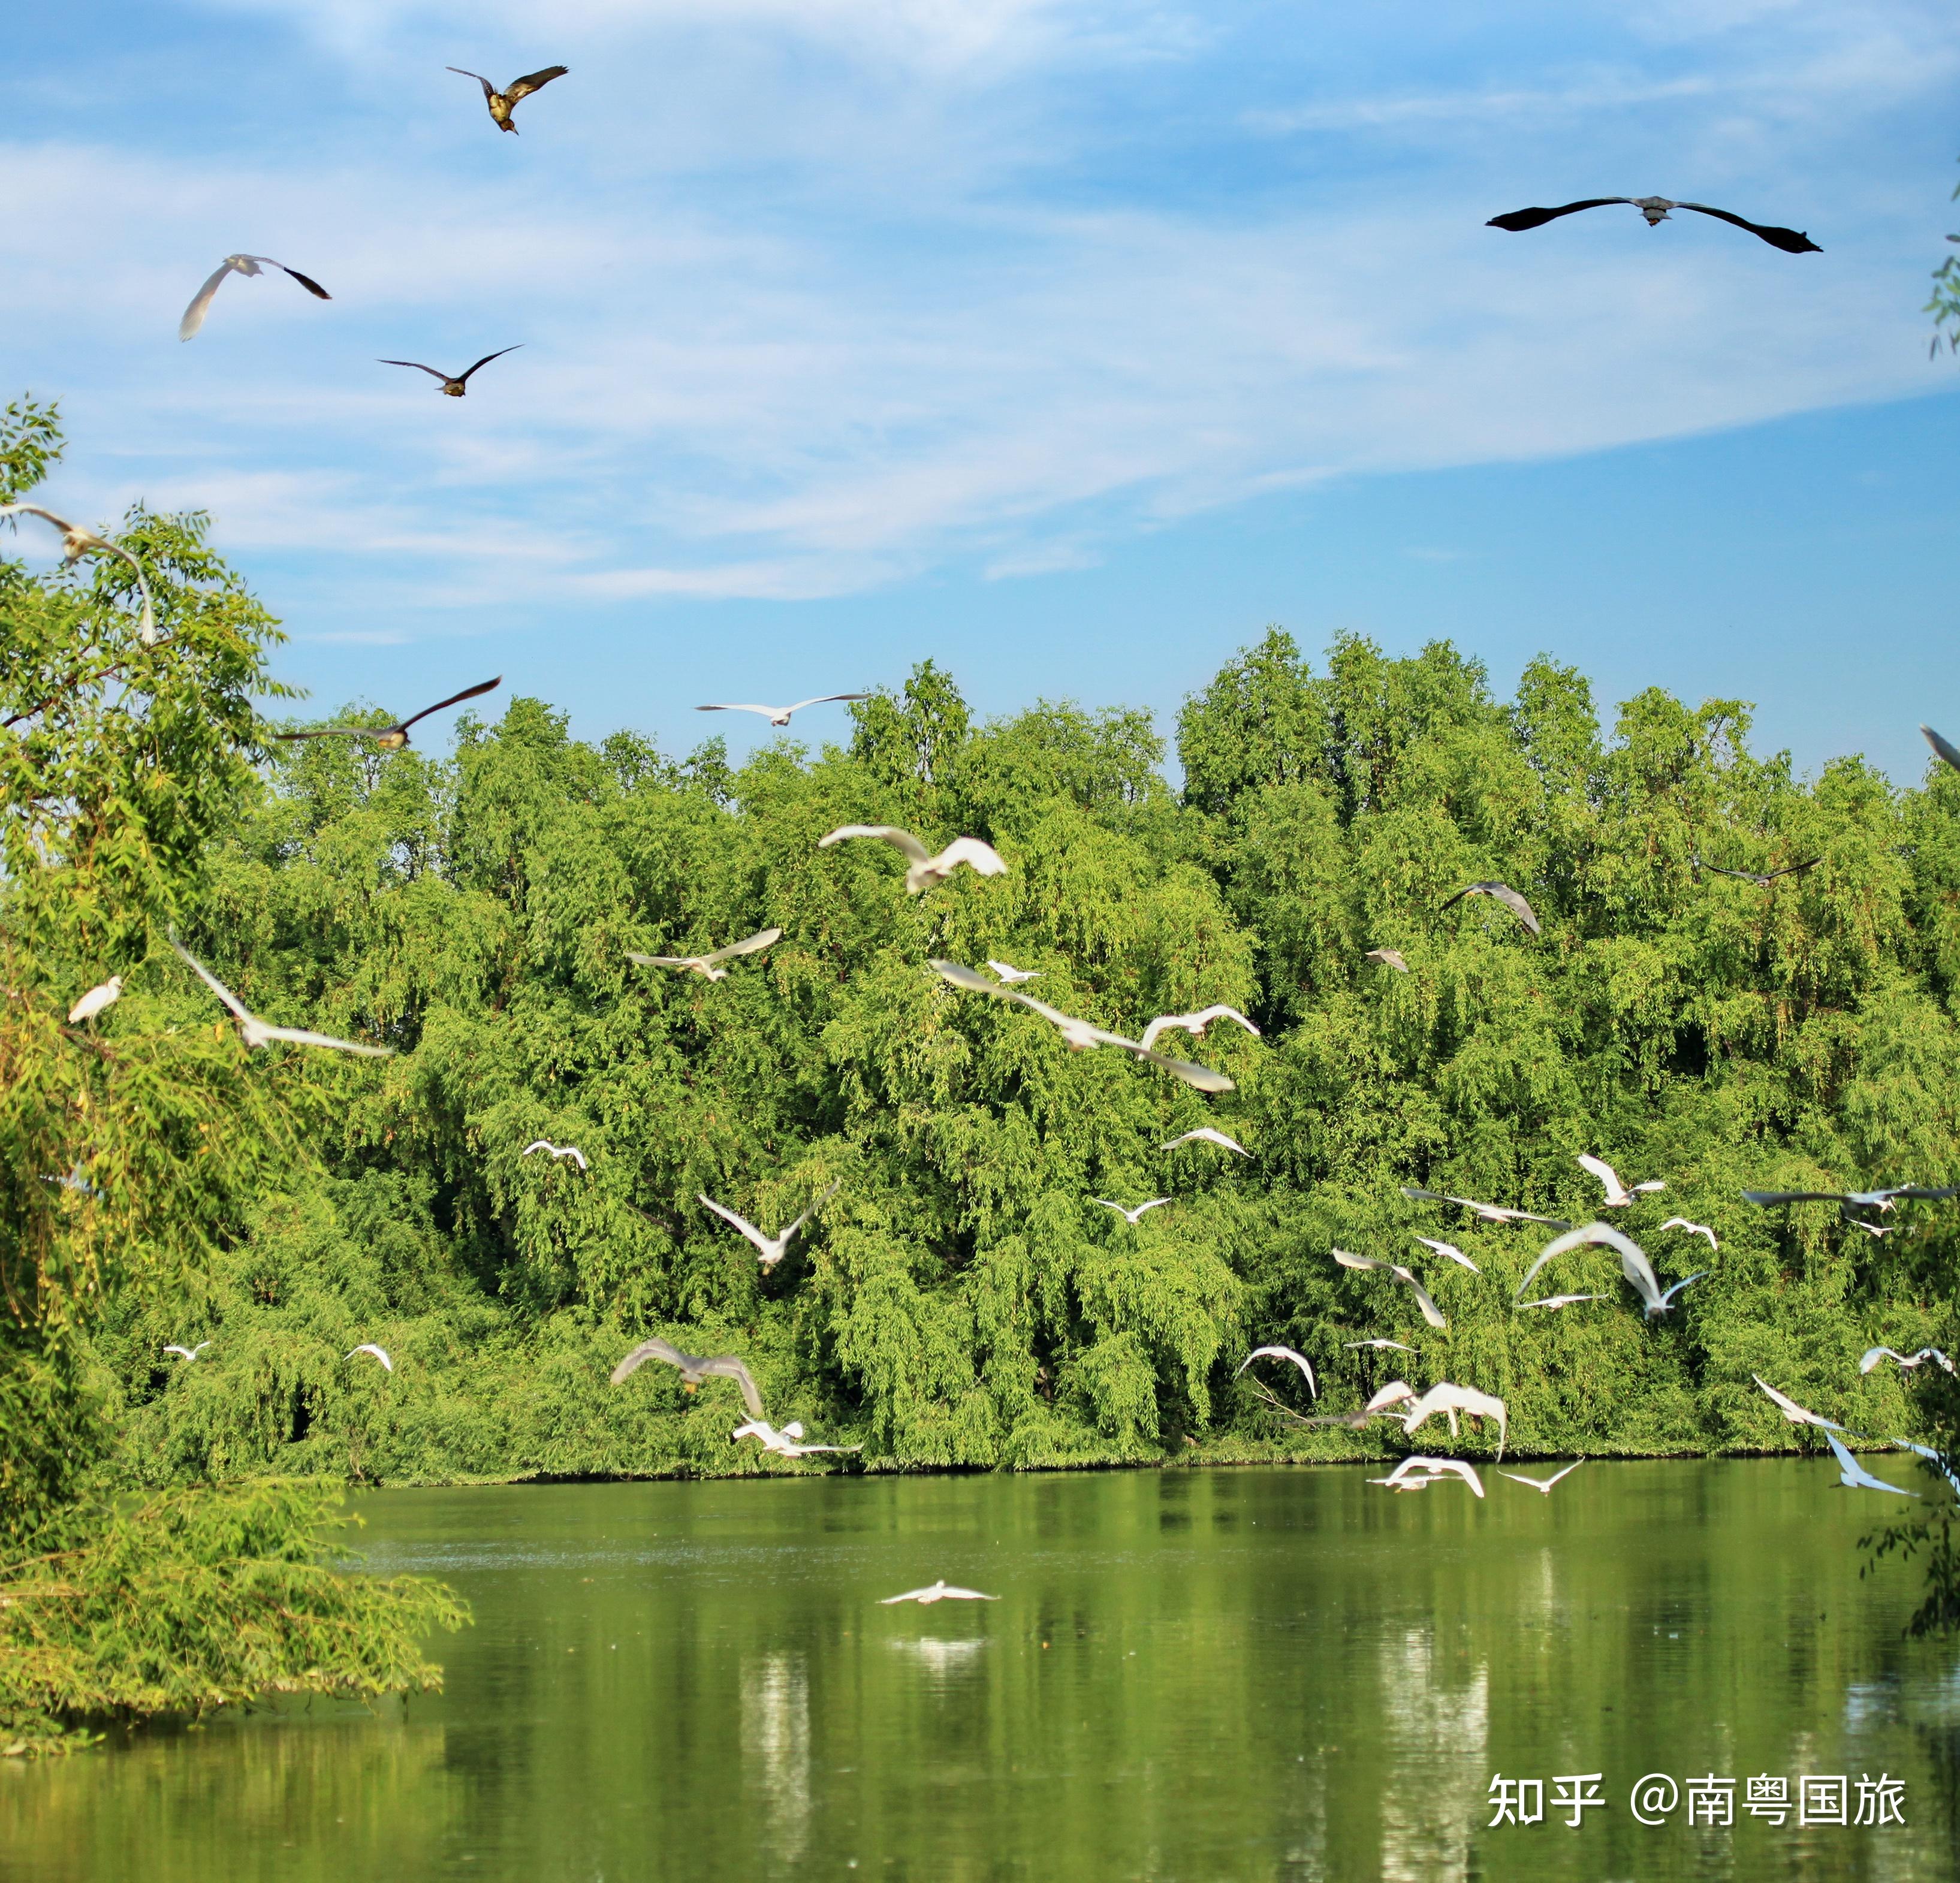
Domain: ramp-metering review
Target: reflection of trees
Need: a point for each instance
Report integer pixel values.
(775, 1741)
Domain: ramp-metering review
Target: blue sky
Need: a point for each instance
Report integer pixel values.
(1067, 343)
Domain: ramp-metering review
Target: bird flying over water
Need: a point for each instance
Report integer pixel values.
(96, 999)
(1445, 1398)
(1853, 1476)
(922, 869)
(1655, 208)
(770, 1249)
(1489, 1212)
(1396, 1393)
(455, 384)
(1499, 893)
(788, 1443)
(1430, 1312)
(502, 104)
(1791, 1410)
(1907, 1361)
(1416, 1473)
(1195, 1024)
(941, 1591)
(1131, 1216)
(368, 1347)
(1618, 1194)
(187, 1353)
(780, 715)
(559, 1152)
(1633, 1264)
(1544, 1484)
(1206, 1135)
(1285, 1353)
(1692, 1229)
(193, 315)
(257, 1032)
(1762, 878)
(1387, 958)
(694, 1369)
(78, 541)
(392, 738)
(1450, 1250)
(710, 964)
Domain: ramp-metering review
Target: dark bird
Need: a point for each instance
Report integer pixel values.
(694, 1369)
(1762, 879)
(1945, 747)
(458, 385)
(502, 104)
(193, 315)
(391, 738)
(1500, 893)
(1655, 208)
(1849, 1200)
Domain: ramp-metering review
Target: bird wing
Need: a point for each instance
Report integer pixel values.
(825, 699)
(727, 1366)
(184, 1351)
(974, 982)
(903, 841)
(1504, 893)
(1945, 747)
(783, 1238)
(1163, 1024)
(1450, 1250)
(489, 92)
(1393, 1394)
(982, 858)
(200, 305)
(1387, 958)
(750, 945)
(300, 1036)
(1430, 1312)
(1874, 1354)
(668, 961)
(1155, 1202)
(1558, 1246)
(211, 980)
(1348, 1259)
(767, 712)
(1604, 1171)
(1791, 1410)
(1795, 869)
(655, 1349)
(748, 1229)
(1203, 1077)
(1285, 1353)
(911, 1594)
(1206, 1134)
(531, 81)
(468, 693)
(1516, 220)
(419, 366)
(1791, 241)
(462, 379)
(1107, 1205)
(1922, 1191)
(305, 281)
(1770, 1198)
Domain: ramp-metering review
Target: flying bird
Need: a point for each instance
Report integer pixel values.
(771, 1249)
(1945, 747)
(187, 1353)
(709, 966)
(1195, 1024)
(923, 870)
(941, 1591)
(1430, 1312)
(193, 315)
(1205, 1134)
(780, 715)
(1380, 1346)
(1285, 1353)
(1633, 1264)
(1387, 958)
(694, 1369)
(1499, 893)
(393, 738)
(502, 104)
(1489, 1212)
(1559, 1301)
(1853, 1476)
(1618, 1194)
(1450, 1250)
(559, 1152)
(1791, 1410)
(1655, 208)
(368, 1347)
(1848, 1200)
(1079, 1035)
(455, 384)
(1131, 1216)
(1431, 1469)
(78, 541)
(96, 999)
(1544, 1484)
(257, 1032)
(1932, 1458)
(1871, 1228)
(1692, 1229)
(1761, 879)
(1445, 1398)
(1012, 975)
(788, 1443)
(1396, 1393)
(1907, 1361)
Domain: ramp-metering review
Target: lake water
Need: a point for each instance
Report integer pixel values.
(1189, 1675)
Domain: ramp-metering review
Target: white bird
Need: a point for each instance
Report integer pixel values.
(1205, 1134)
(1499, 893)
(1449, 1249)
(368, 1347)
(1195, 1024)
(96, 999)
(771, 1249)
(1791, 1410)
(1080, 1034)
(1387, 958)
(922, 869)
(788, 1443)
(780, 715)
(694, 1369)
(709, 965)
(1559, 1301)
(1131, 1216)
(188, 1352)
(1489, 1212)
(258, 1032)
(1445, 1398)
(1853, 1476)
(200, 306)
(941, 1591)
(78, 541)
(1932, 1456)
(1544, 1484)
(1380, 1347)
(1874, 1229)
(1618, 1195)
(1430, 1312)
(1396, 1393)
(1692, 1229)
(1633, 1264)
(1908, 1361)
(1432, 1468)
(1012, 975)
(559, 1152)
(1285, 1353)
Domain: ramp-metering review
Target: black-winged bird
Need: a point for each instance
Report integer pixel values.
(392, 738)
(1655, 208)
(502, 104)
(456, 385)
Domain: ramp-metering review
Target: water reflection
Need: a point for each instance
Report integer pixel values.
(775, 1749)
(1435, 1723)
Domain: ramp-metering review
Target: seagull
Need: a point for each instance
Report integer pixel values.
(1079, 1035)
(1907, 1361)
(924, 870)
(258, 1032)
(1206, 1135)
(1945, 747)
(1633, 1264)
(1618, 1195)
(392, 738)
(456, 385)
(1449, 1249)
(709, 965)
(771, 1249)
(1432, 1468)
(941, 1591)
(96, 999)
(1791, 1410)
(1380, 1346)
(189, 1352)
(1544, 1484)
(1559, 1301)
(788, 1443)
(78, 541)
(694, 1369)
(780, 715)
(1655, 208)
(1489, 1212)
(502, 104)
(1445, 1398)
(1430, 1312)
(1853, 1476)
(1692, 1229)
(1195, 1024)
(1131, 1216)
(368, 1347)
(1012, 975)
(1387, 958)
(1761, 879)
(1285, 1353)
(559, 1152)
(193, 315)
(1499, 893)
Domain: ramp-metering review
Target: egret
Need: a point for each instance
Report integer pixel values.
(1450, 1399)
(709, 966)
(1195, 1024)
(1907, 1361)
(78, 541)
(257, 1032)
(1692, 1229)
(1633, 1264)
(1205, 1134)
(1489, 1212)
(1380, 1346)
(1544, 1484)
(1451, 1250)
(1432, 1468)
(1131, 1216)
(769, 1249)
(368, 1347)
(1853, 1476)
(96, 1000)
(200, 306)
(1387, 958)
(787, 1443)
(1762, 878)
(1012, 975)
(559, 1152)
(780, 715)
(187, 1353)
(1618, 1194)
(1285, 1353)
(922, 869)
(1430, 1312)
(1791, 1410)
(941, 1591)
